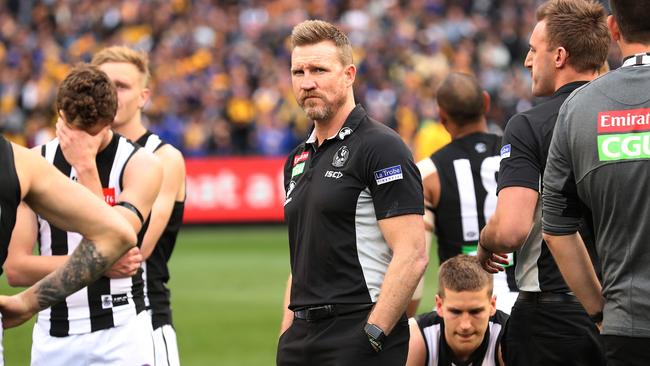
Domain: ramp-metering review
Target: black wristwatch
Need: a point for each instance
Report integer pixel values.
(375, 335)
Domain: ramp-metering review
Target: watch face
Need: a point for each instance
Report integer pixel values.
(374, 331)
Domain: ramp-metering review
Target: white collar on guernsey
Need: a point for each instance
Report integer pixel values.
(639, 59)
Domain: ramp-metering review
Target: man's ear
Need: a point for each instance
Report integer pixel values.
(614, 30)
(444, 119)
(145, 93)
(493, 305)
(486, 102)
(561, 57)
(350, 74)
(439, 305)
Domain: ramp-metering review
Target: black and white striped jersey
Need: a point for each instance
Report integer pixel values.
(432, 327)
(467, 169)
(107, 302)
(9, 196)
(157, 272)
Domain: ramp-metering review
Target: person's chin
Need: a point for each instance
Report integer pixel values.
(466, 338)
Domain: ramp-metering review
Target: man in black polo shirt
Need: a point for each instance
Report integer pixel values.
(547, 325)
(354, 208)
(600, 158)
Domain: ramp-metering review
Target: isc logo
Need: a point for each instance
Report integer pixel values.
(333, 174)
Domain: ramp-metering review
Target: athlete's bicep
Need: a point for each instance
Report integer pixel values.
(171, 190)
(22, 241)
(140, 186)
(25, 232)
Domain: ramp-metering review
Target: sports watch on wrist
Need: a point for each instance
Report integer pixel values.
(375, 335)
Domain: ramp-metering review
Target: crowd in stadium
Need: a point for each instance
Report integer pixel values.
(221, 82)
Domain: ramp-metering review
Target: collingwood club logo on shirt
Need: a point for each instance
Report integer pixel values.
(480, 148)
(341, 157)
(109, 301)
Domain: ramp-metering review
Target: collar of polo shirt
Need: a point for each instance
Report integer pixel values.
(351, 123)
(639, 59)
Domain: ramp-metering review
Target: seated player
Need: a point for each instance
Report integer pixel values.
(466, 328)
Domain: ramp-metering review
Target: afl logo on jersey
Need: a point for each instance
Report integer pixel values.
(341, 157)
(480, 148)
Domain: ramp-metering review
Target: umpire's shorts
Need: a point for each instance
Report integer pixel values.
(339, 339)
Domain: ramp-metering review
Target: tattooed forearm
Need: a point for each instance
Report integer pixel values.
(85, 265)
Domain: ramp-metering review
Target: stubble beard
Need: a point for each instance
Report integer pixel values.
(324, 112)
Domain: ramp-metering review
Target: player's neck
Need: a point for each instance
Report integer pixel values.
(327, 129)
(106, 140)
(631, 49)
(132, 130)
(569, 75)
(462, 131)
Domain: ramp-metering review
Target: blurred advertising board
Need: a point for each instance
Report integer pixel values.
(234, 190)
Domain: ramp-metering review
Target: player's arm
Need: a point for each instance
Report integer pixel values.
(405, 237)
(431, 191)
(107, 235)
(173, 180)
(140, 186)
(513, 218)
(22, 267)
(573, 260)
(518, 186)
(287, 314)
(417, 348)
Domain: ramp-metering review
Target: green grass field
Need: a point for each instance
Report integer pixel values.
(227, 286)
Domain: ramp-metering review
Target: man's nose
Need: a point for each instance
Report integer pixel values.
(528, 62)
(465, 322)
(307, 84)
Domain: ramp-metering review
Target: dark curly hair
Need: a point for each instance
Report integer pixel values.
(87, 97)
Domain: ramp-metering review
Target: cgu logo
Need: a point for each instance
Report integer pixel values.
(624, 146)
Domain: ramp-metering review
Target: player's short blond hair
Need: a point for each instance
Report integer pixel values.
(125, 54)
(463, 273)
(311, 32)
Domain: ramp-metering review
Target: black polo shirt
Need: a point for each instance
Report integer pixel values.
(9, 196)
(335, 193)
(524, 152)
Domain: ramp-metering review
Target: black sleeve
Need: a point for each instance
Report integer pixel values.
(392, 177)
(520, 165)
(561, 213)
(288, 166)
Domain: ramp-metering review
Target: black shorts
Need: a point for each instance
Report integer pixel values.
(340, 341)
(627, 351)
(551, 334)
